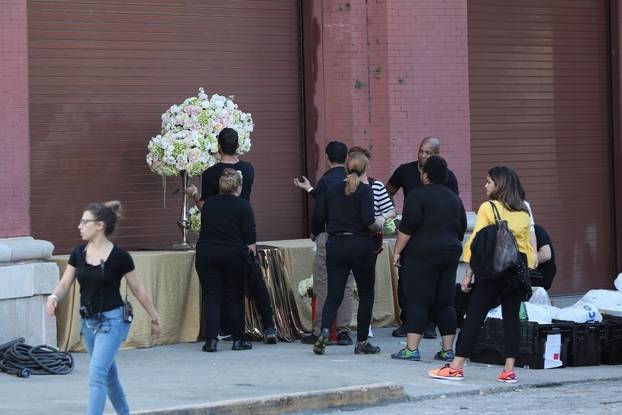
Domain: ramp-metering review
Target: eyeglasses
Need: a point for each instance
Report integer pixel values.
(85, 221)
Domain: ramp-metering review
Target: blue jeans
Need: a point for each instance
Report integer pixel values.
(102, 338)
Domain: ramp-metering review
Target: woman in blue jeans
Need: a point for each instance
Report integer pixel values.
(99, 265)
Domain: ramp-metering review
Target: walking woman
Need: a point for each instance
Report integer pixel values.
(503, 191)
(99, 266)
(227, 233)
(349, 213)
(427, 250)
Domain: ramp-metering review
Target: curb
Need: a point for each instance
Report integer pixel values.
(502, 388)
(361, 395)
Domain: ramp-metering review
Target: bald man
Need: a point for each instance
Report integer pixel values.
(408, 177)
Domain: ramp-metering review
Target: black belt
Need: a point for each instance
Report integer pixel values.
(343, 234)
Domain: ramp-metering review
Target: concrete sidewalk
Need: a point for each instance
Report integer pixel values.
(182, 376)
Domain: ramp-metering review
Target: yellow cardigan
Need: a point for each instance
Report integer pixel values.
(518, 222)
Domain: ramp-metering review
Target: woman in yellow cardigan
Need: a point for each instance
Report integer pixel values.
(502, 188)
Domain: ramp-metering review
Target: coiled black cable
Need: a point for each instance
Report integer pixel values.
(23, 360)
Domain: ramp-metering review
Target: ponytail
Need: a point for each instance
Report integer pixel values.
(352, 183)
(357, 166)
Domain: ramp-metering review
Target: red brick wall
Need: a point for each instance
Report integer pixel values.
(14, 139)
(385, 74)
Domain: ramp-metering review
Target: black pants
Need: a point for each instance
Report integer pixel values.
(429, 285)
(221, 272)
(261, 297)
(485, 295)
(345, 254)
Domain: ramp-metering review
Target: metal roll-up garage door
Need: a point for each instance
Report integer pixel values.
(540, 103)
(101, 74)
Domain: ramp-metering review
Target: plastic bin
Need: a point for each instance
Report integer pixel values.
(489, 347)
(585, 347)
(611, 344)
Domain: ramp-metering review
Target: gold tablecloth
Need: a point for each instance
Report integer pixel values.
(172, 282)
(299, 256)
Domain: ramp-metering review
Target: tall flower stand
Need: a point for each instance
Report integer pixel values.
(184, 220)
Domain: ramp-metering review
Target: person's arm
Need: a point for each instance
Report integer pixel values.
(367, 210)
(61, 289)
(193, 193)
(249, 233)
(400, 244)
(534, 245)
(484, 218)
(544, 254)
(141, 294)
(395, 182)
(320, 189)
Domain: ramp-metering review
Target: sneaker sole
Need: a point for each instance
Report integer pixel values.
(507, 380)
(405, 358)
(446, 377)
(270, 340)
(443, 360)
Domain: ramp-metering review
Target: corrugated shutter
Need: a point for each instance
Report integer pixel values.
(102, 73)
(539, 85)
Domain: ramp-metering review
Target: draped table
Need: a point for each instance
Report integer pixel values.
(171, 280)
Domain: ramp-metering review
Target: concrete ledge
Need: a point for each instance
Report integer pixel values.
(370, 394)
(24, 248)
(27, 279)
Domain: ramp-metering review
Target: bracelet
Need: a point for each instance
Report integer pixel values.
(53, 297)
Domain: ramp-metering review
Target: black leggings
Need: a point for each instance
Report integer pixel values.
(221, 272)
(484, 296)
(430, 286)
(345, 254)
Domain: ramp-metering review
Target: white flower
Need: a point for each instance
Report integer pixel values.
(188, 138)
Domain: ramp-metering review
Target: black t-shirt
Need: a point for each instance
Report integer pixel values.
(408, 177)
(548, 269)
(352, 213)
(435, 218)
(227, 220)
(99, 284)
(332, 176)
(211, 176)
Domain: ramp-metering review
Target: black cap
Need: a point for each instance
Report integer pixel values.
(337, 152)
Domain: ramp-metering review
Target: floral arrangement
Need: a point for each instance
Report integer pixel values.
(305, 287)
(188, 140)
(195, 219)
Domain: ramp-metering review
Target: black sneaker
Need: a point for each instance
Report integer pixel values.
(310, 339)
(399, 332)
(343, 339)
(269, 335)
(366, 348)
(241, 345)
(322, 341)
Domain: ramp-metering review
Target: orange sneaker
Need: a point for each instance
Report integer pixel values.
(507, 376)
(447, 372)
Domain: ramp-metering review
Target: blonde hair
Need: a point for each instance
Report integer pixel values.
(229, 181)
(357, 166)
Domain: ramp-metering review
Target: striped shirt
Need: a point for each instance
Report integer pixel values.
(382, 201)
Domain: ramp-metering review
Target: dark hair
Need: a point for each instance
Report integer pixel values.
(108, 212)
(507, 184)
(228, 141)
(357, 166)
(357, 149)
(337, 152)
(229, 181)
(436, 169)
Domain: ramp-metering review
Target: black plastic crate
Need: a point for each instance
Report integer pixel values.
(585, 347)
(489, 347)
(611, 344)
